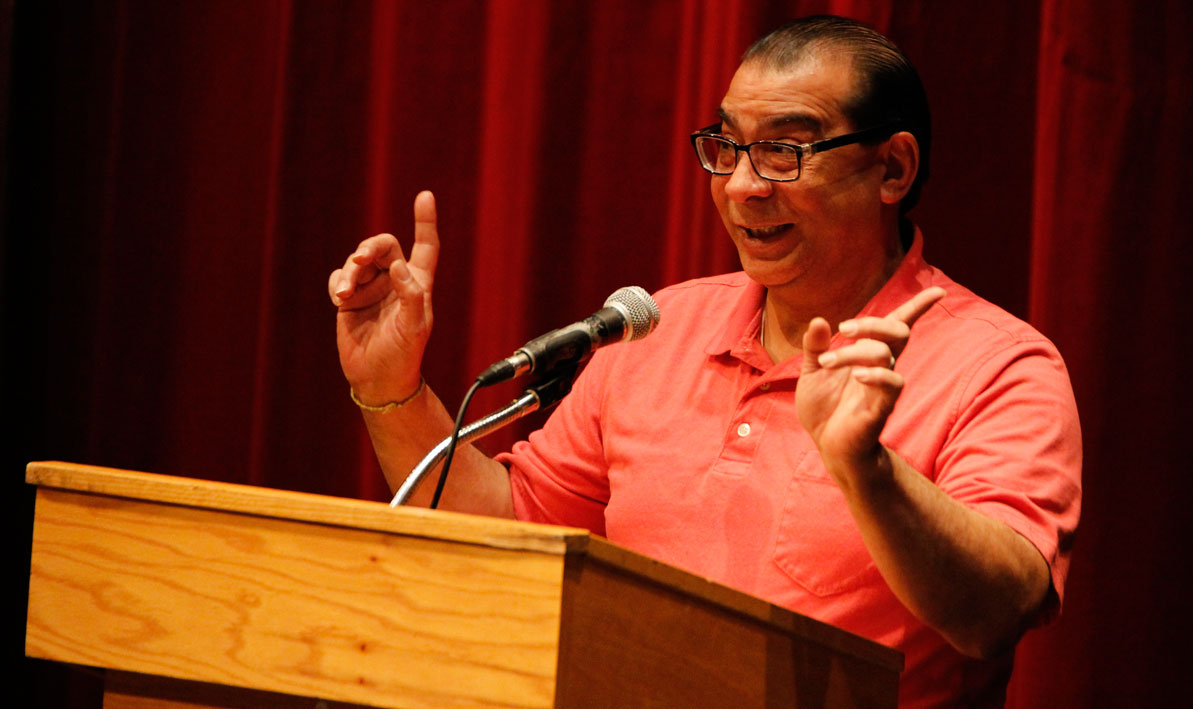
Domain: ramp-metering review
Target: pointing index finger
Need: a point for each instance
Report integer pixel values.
(424, 255)
(919, 303)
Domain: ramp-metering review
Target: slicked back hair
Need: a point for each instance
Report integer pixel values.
(888, 86)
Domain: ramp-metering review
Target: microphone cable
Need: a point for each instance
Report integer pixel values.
(451, 447)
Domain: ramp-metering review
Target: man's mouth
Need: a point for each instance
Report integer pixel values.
(766, 232)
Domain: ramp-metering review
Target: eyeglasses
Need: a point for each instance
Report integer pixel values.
(772, 160)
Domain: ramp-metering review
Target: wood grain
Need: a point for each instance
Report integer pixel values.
(286, 504)
(186, 590)
(689, 586)
(291, 607)
(623, 636)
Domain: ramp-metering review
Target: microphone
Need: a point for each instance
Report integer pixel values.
(629, 314)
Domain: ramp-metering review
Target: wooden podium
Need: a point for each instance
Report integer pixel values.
(194, 593)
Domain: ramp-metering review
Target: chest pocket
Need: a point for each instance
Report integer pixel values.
(818, 544)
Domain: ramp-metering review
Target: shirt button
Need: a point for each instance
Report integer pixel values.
(743, 430)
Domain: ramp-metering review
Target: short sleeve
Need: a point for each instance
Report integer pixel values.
(1014, 451)
(558, 475)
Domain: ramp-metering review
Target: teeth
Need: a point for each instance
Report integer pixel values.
(765, 231)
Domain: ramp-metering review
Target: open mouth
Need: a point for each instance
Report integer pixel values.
(766, 232)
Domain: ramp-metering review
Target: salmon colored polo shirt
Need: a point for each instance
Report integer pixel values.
(686, 447)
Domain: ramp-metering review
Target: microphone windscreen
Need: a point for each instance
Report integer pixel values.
(640, 310)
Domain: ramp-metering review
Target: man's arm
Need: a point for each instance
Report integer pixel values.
(477, 484)
(972, 578)
(382, 325)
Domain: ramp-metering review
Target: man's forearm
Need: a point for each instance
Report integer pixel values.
(476, 484)
(972, 578)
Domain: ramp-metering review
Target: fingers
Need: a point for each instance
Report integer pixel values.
(869, 362)
(357, 283)
(424, 256)
(372, 257)
(881, 377)
(919, 303)
(897, 324)
(895, 328)
(863, 353)
(877, 341)
(885, 329)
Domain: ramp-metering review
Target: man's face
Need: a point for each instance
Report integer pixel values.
(822, 234)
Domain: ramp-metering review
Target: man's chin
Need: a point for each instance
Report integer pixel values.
(770, 274)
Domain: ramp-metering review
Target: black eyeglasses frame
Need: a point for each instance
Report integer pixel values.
(884, 130)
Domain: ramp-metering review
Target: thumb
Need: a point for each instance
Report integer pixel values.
(816, 341)
(412, 316)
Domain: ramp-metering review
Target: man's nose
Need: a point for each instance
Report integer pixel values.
(744, 182)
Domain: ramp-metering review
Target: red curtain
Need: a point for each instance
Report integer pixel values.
(184, 176)
(1110, 242)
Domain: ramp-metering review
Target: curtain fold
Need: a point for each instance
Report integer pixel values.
(1110, 249)
(184, 176)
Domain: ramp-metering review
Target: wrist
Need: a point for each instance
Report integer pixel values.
(374, 385)
(867, 475)
(376, 401)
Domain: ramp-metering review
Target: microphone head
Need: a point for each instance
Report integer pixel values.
(639, 309)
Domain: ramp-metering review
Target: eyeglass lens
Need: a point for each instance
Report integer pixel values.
(771, 160)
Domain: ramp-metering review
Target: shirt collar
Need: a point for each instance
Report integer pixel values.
(743, 322)
(911, 277)
(739, 335)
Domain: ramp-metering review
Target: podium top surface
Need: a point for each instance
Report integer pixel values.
(307, 507)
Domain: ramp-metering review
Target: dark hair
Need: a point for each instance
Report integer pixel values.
(888, 86)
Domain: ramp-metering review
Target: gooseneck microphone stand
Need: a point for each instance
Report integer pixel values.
(554, 386)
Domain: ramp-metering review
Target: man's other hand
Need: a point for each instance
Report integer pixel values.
(844, 396)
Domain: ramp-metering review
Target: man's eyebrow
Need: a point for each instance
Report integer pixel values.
(802, 121)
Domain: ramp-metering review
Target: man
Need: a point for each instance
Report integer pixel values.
(750, 441)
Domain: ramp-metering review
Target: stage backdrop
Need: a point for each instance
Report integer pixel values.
(182, 177)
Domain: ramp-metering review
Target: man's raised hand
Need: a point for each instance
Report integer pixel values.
(384, 304)
(844, 396)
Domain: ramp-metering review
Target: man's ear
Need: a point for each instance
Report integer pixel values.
(902, 164)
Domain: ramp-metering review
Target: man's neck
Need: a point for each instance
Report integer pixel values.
(788, 309)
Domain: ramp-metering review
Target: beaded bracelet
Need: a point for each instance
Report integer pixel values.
(384, 408)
